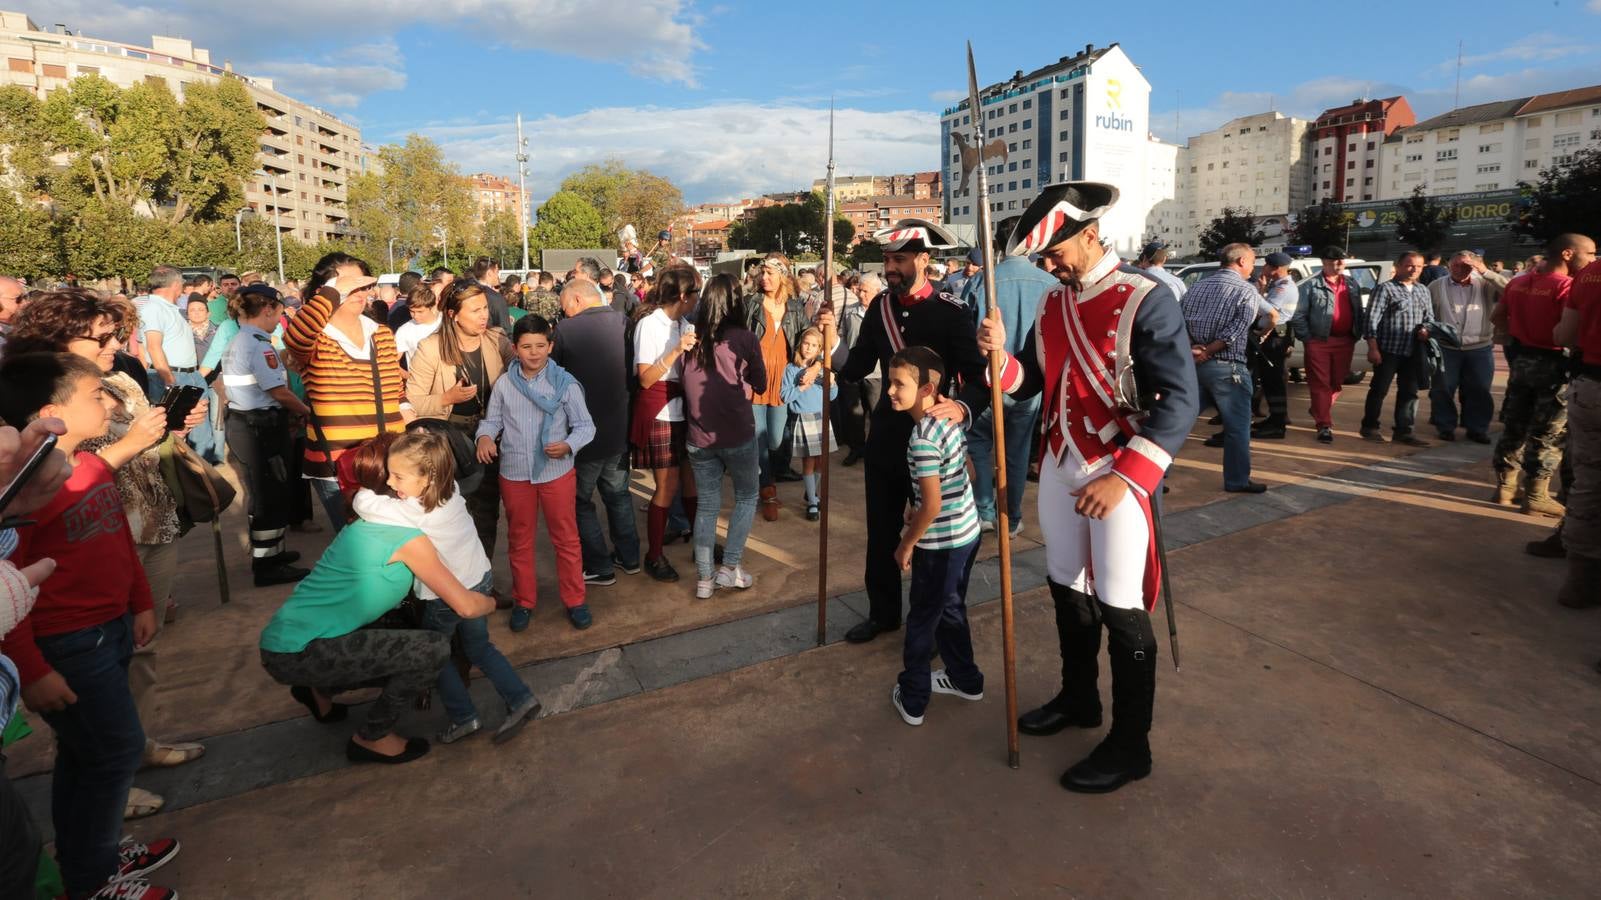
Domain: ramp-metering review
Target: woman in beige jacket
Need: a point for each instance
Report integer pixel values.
(450, 376)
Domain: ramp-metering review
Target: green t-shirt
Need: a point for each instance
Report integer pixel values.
(218, 308)
(353, 584)
(517, 312)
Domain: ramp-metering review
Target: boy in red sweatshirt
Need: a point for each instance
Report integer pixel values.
(72, 650)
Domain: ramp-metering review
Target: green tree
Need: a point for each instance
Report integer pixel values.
(502, 239)
(567, 222)
(1422, 222)
(24, 142)
(1567, 198)
(624, 196)
(796, 229)
(1234, 226)
(420, 201)
(27, 248)
(214, 149)
(1323, 225)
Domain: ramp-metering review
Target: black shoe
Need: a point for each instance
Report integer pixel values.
(1325, 435)
(1046, 721)
(267, 577)
(660, 569)
(866, 630)
(286, 558)
(1250, 487)
(1371, 434)
(597, 579)
(1446, 435)
(1268, 433)
(1478, 437)
(415, 748)
(812, 512)
(1410, 439)
(789, 475)
(1215, 420)
(335, 713)
(1215, 440)
(1104, 771)
(1550, 548)
(852, 458)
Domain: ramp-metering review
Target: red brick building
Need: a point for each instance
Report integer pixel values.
(1346, 141)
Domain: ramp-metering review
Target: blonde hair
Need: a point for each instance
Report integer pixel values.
(800, 345)
(430, 453)
(786, 284)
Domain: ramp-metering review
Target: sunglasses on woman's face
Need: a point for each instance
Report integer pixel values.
(102, 339)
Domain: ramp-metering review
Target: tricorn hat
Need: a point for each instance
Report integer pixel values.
(1058, 213)
(914, 236)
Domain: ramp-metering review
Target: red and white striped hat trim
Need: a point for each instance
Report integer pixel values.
(1039, 237)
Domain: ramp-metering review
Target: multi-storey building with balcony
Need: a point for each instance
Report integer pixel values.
(306, 156)
(1346, 146)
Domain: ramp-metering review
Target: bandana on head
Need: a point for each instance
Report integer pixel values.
(1058, 213)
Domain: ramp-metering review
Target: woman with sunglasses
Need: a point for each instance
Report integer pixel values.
(77, 321)
(776, 314)
(350, 368)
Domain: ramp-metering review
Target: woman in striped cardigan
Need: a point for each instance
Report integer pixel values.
(351, 398)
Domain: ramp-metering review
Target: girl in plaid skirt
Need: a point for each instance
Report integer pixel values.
(803, 394)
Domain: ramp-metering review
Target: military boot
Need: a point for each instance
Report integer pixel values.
(1506, 487)
(1125, 754)
(1583, 587)
(1537, 499)
(1078, 637)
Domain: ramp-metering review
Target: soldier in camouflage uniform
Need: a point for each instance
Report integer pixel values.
(543, 301)
(1534, 411)
(1580, 328)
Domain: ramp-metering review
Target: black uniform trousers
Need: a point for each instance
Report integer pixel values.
(260, 442)
(1271, 373)
(889, 490)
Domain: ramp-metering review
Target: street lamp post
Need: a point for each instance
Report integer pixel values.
(522, 189)
(391, 254)
(238, 238)
(277, 222)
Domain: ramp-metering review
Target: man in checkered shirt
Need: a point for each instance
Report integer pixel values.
(1218, 311)
(1395, 326)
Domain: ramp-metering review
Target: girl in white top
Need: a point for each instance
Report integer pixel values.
(658, 429)
(424, 495)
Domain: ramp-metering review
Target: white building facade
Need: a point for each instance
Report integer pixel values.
(1085, 117)
(1258, 164)
(1491, 146)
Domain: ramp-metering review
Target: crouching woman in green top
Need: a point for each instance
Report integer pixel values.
(316, 642)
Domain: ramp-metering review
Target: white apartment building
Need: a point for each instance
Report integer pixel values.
(1259, 164)
(1084, 117)
(1491, 146)
(306, 155)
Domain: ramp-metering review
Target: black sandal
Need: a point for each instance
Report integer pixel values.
(336, 712)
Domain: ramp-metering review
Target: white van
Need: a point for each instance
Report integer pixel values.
(1368, 275)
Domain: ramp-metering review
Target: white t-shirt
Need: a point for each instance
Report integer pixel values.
(409, 335)
(652, 336)
(449, 527)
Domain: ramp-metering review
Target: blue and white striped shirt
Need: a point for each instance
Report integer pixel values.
(516, 421)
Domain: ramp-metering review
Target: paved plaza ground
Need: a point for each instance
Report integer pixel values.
(1379, 698)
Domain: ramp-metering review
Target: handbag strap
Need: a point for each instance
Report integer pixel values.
(377, 382)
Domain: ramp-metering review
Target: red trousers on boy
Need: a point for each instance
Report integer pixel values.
(557, 499)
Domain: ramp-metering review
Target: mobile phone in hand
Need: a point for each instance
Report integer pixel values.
(180, 401)
(28, 470)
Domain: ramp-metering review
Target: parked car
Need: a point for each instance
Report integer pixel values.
(1368, 276)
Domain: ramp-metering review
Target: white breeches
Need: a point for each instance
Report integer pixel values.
(1113, 547)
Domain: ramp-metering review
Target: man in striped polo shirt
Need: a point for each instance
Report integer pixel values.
(939, 543)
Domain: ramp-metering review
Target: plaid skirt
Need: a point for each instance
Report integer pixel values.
(665, 447)
(808, 435)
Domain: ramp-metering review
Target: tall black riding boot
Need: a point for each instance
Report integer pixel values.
(1125, 754)
(1078, 635)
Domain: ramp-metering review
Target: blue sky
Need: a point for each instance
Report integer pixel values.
(730, 99)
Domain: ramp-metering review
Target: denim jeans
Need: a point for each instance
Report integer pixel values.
(483, 654)
(1470, 372)
(770, 421)
(709, 464)
(1227, 385)
(1019, 417)
(1406, 393)
(99, 746)
(938, 618)
(610, 477)
(333, 502)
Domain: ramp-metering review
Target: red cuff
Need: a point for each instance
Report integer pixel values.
(1142, 464)
(1011, 374)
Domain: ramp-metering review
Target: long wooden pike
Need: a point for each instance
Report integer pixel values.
(1003, 529)
(828, 382)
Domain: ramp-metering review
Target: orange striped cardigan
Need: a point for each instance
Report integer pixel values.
(339, 388)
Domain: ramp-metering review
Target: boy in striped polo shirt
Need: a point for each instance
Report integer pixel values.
(938, 544)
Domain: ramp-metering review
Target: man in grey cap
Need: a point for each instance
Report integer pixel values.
(1273, 325)
(957, 281)
(1151, 261)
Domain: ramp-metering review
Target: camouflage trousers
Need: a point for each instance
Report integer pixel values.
(1581, 529)
(1534, 416)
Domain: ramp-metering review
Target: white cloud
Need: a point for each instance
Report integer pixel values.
(1593, 6)
(957, 96)
(343, 84)
(1543, 47)
(716, 152)
(652, 38)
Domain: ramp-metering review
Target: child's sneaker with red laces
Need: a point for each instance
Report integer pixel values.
(136, 860)
(134, 889)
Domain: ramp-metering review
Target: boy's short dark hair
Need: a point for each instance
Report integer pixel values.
(31, 381)
(531, 324)
(929, 367)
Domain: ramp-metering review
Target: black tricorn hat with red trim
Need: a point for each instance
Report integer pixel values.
(1058, 213)
(914, 236)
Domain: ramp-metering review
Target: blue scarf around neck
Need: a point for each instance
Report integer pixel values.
(559, 379)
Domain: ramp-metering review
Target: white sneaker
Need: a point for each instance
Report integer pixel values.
(704, 588)
(908, 718)
(1017, 528)
(134, 889)
(942, 684)
(985, 526)
(734, 577)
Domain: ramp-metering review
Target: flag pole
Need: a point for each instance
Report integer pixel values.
(828, 382)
